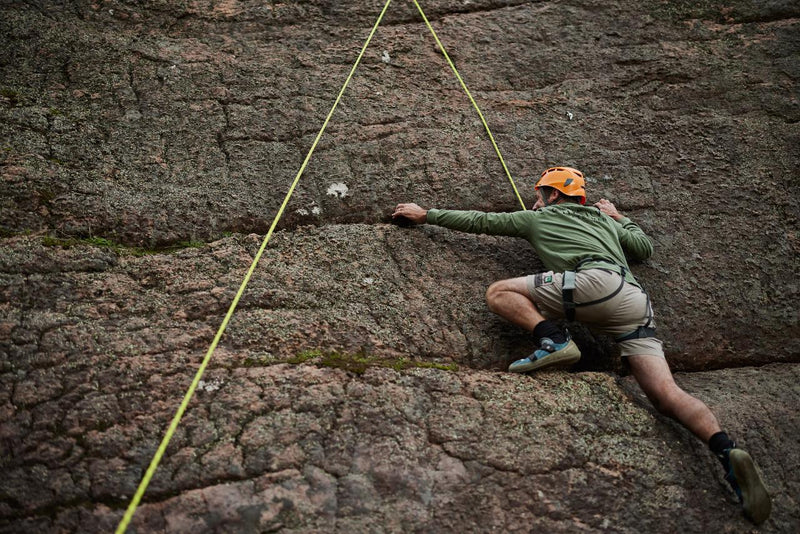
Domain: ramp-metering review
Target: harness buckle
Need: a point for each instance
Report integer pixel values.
(567, 290)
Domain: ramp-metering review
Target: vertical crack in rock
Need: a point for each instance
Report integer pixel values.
(222, 137)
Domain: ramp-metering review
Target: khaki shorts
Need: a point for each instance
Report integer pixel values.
(622, 314)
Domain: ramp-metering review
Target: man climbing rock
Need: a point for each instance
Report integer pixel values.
(588, 280)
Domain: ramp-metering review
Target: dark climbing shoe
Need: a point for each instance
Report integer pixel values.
(748, 486)
(549, 354)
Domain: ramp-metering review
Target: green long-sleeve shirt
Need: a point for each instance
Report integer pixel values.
(561, 234)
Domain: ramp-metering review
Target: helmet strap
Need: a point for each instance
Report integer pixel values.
(546, 198)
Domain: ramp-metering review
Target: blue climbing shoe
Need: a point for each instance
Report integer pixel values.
(748, 486)
(548, 354)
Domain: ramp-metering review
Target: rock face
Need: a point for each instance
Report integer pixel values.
(146, 147)
(302, 449)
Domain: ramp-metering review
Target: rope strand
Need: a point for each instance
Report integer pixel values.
(123, 525)
(474, 104)
(127, 517)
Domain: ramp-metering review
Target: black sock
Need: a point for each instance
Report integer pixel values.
(718, 444)
(548, 329)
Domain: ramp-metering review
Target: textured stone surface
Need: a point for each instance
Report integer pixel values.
(179, 122)
(182, 124)
(303, 449)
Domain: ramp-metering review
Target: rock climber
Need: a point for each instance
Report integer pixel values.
(588, 280)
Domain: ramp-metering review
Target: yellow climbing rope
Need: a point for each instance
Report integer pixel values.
(474, 104)
(123, 525)
(126, 519)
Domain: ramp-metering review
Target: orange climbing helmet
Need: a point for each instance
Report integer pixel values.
(566, 179)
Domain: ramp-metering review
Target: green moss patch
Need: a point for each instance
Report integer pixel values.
(358, 363)
(102, 242)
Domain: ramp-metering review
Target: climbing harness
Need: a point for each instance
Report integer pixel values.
(123, 525)
(568, 290)
(641, 332)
